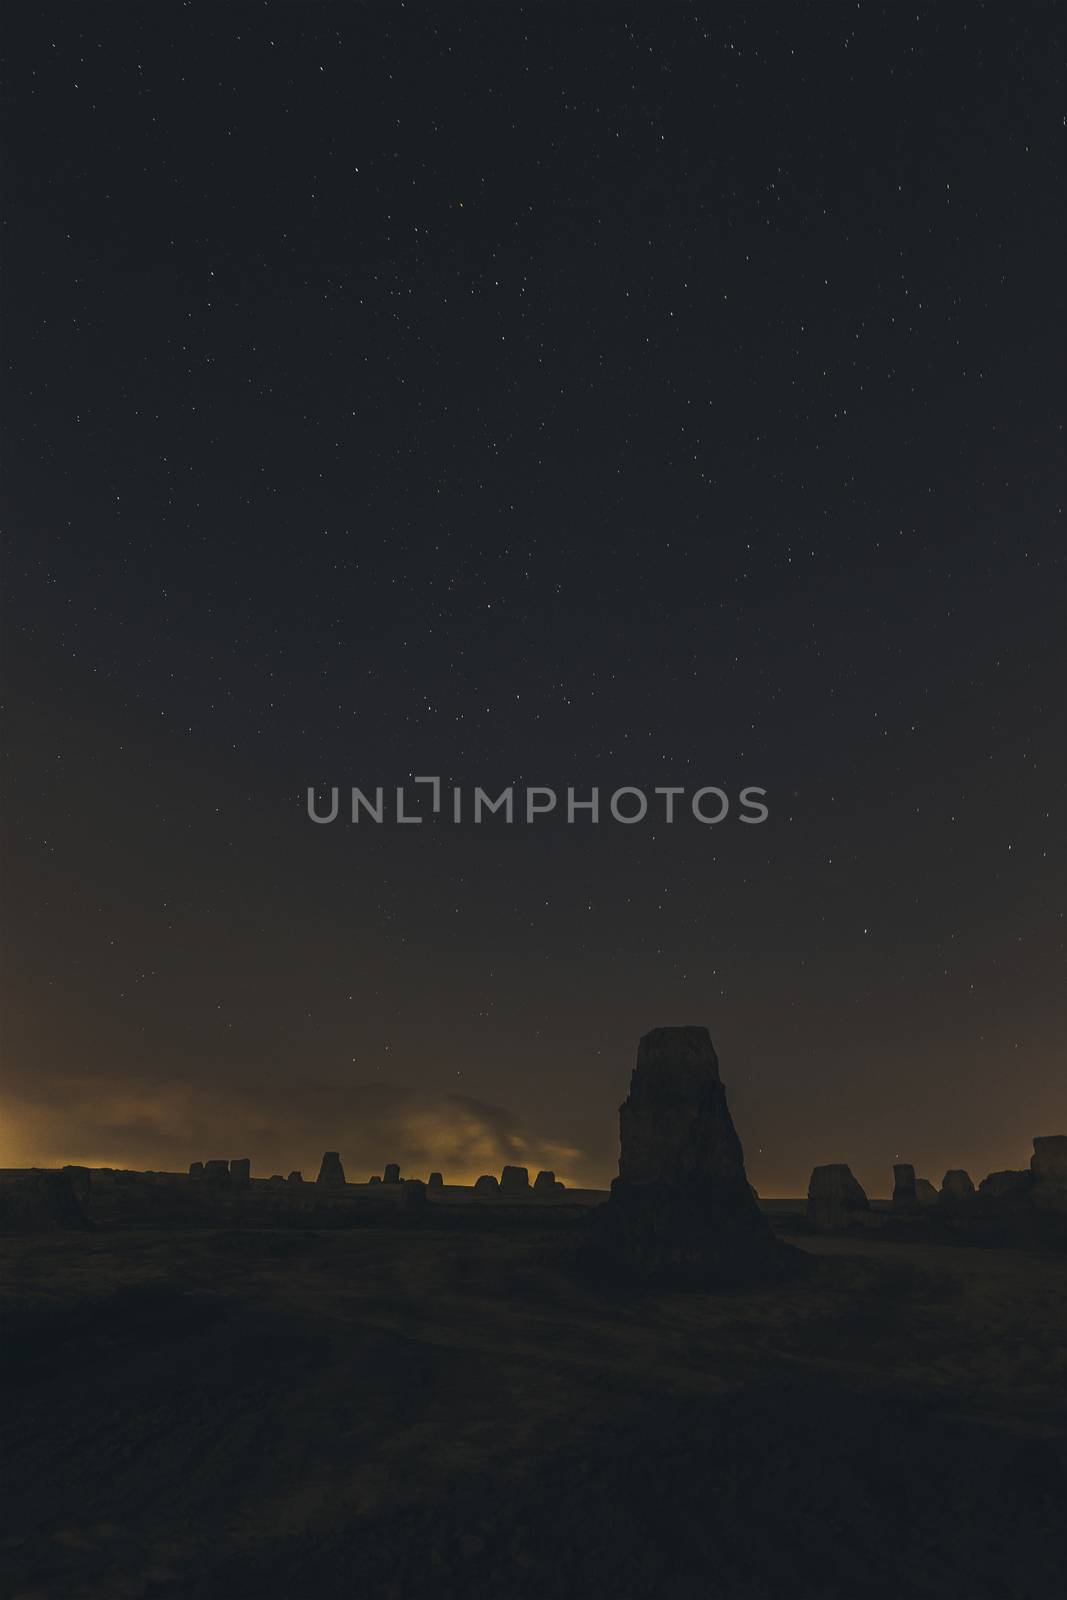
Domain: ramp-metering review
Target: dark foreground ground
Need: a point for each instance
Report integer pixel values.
(390, 1413)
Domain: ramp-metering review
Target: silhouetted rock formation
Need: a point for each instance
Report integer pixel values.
(515, 1180)
(1048, 1168)
(681, 1210)
(925, 1193)
(374, 1178)
(1006, 1185)
(392, 1172)
(413, 1198)
(956, 1188)
(295, 1177)
(196, 1169)
(44, 1202)
(331, 1171)
(241, 1171)
(834, 1198)
(487, 1184)
(276, 1181)
(436, 1181)
(904, 1196)
(545, 1182)
(216, 1172)
(674, 1125)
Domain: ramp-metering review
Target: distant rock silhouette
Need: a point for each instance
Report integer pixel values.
(392, 1172)
(436, 1181)
(241, 1171)
(956, 1188)
(413, 1198)
(196, 1169)
(545, 1182)
(331, 1170)
(515, 1180)
(904, 1195)
(216, 1172)
(487, 1184)
(277, 1181)
(374, 1178)
(925, 1193)
(834, 1198)
(681, 1210)
(295, 1177)
(1006, 1185)
(1048, 1168)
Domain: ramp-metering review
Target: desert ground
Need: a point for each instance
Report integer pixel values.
(416, 1411)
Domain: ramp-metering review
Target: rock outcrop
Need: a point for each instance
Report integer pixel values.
(392, 1172)
(1048, 1169)
(956, 1189)
(196, 1169)
(435, 1181)
(1008, 1185)
(241, 1171)
(904, 1196)
(925, 1193)
(835, 1198)
(487, 1184)
(515, 1180)
(276, 1181)
(216, 1172)
(681, 1210)
(545, 1183)
(295, 1178)
(331, 1171)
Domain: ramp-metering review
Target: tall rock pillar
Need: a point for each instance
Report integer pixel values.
(681, 1210)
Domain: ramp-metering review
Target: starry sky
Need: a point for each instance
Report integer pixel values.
(533, 395)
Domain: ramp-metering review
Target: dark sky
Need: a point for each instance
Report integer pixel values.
(535, 395)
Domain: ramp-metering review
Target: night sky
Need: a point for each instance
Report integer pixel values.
(533, 395)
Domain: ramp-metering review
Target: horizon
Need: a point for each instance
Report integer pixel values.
(500, 1143)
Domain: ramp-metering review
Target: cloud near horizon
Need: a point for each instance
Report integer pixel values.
(280, 1126)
